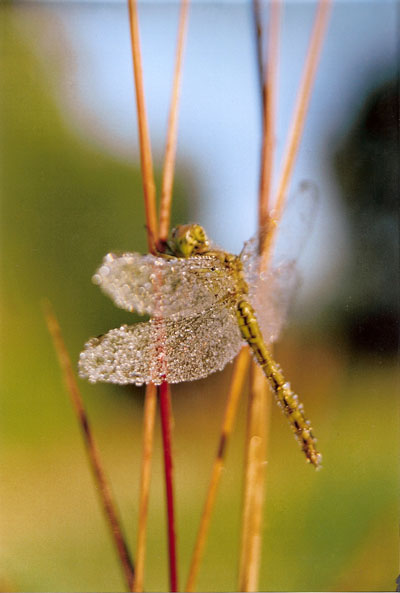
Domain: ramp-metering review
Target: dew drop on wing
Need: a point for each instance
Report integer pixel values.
(272, 292)
(179, 350)
(149, 284)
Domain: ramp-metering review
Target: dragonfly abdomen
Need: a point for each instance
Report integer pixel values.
(287, 400)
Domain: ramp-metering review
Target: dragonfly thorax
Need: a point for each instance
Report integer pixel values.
(188, 240)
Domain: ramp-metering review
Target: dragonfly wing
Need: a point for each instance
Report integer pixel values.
(174, 350)
(272, 292)
(162, 287)
(297, 223)
(272, 297)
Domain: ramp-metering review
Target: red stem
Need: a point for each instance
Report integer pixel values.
(166, 420)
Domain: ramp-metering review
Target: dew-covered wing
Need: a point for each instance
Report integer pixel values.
(272, 292)
(272, 297)
(164, 287)
(174, 350)
(297, 224)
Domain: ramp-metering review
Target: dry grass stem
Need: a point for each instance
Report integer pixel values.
(150, 407)
(149, 189)
(91, 447)
(152, 235)
(259, 46)
(298, 119)
(269, 95)
(236, 388)
(166, 429)
(259, 398)
(256, 446)
(172, 133)
(259, 407)
(164, 222)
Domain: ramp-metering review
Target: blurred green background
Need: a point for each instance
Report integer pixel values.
(64, 204)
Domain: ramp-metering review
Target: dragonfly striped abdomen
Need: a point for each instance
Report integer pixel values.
(287, 400)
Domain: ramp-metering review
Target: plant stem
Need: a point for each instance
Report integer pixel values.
(259, 399)
(258, 409)
(149, 189)
(236, 387)
(147, 448)
(149, 193)
(269, 98)
(259, 47)
(153, 242)
(299, 117)
(172, 133)
(164, 221)
(258, 422)
(166, 422)
(92, 451)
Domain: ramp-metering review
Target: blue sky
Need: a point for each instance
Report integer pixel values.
(219, 125)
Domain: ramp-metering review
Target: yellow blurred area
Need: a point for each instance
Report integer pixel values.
(64, 205)
(328, 530)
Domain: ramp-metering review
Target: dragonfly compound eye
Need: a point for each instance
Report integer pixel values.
(199, 238)
(188, 240)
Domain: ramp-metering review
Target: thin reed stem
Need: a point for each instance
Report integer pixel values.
(299, 117)
(149, 188)
(149, 414)
(269, 95)
(259, 47)
(152, 238)
(166, 428)
(172, 133)
(259, 399)
(92, 451)
(164, 222)
(236, 388)
(258, 422)
(259, 410)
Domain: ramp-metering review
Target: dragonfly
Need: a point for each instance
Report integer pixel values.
(204, 304)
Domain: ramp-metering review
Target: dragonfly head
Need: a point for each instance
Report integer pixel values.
(187, 240)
